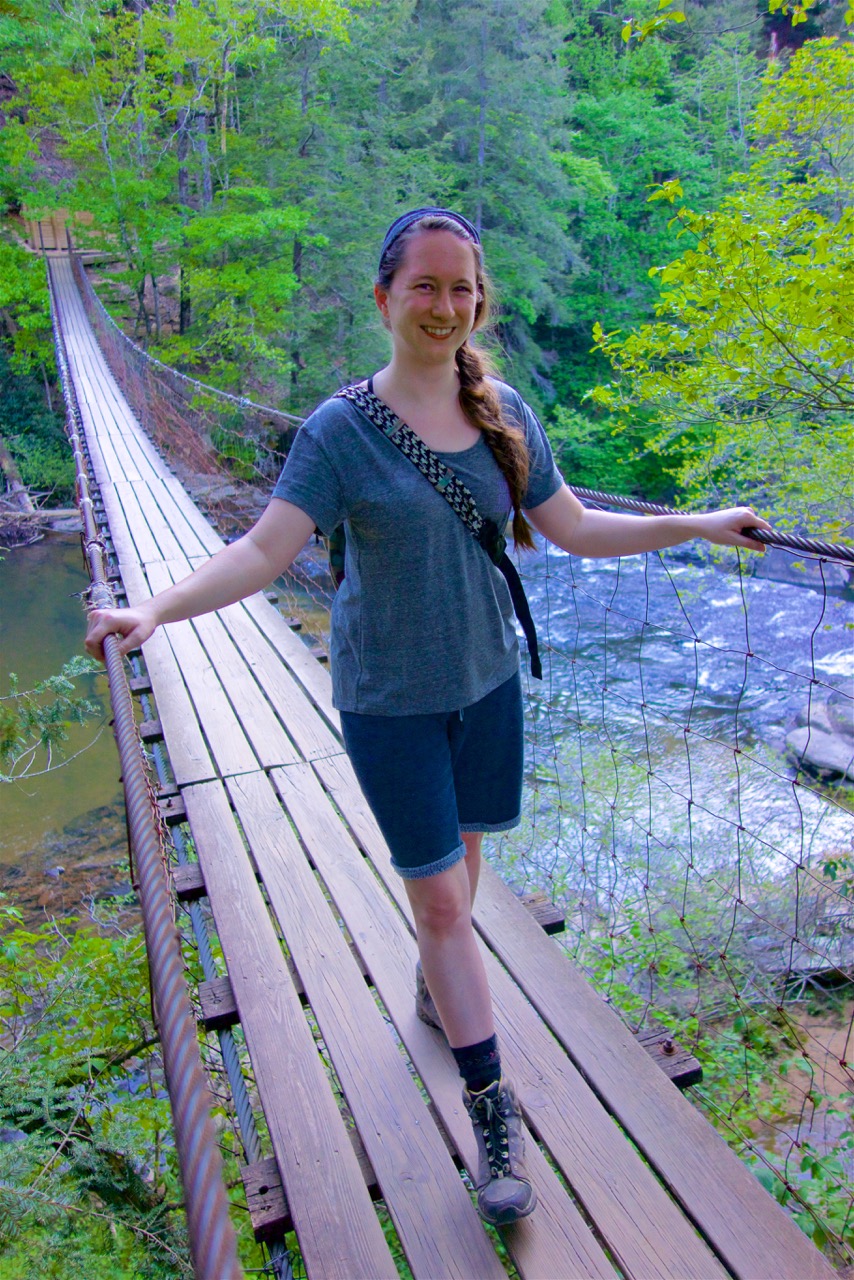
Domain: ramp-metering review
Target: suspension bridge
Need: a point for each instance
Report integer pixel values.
(346, 1100)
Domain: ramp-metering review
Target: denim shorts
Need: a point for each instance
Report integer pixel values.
(428, 778)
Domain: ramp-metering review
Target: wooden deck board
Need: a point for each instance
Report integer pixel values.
(432, 1211)
(645, 1231)
(120, 534)
(306, 670)
(308, 729)
(556, 1241)
(222, 728)
(754, 1237)
(339, 1232)
(259, 717)
(147, 546)
(189, 757)
(176, 515)
(204, 531)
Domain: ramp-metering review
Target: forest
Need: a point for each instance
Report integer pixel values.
(664, 191)
(665, 202)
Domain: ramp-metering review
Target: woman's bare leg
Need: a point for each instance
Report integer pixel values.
(472, 841)
(453, 969)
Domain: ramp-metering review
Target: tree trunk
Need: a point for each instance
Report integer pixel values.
(141, 314)
(185, 311)
(156, 294)
(200, 143)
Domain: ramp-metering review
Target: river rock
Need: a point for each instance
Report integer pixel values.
(823, 751)
(821, 738)
(787, 566)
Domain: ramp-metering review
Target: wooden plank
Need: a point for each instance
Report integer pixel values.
(172, 811)
(204, 530)
(553, 1242)
(171, 547)
(150, 731)
(176, 517)
(222, 728)
(677, 1063)
(266, 1200)
(262, 727)
(97, 465)
(338, 1231)
(636, 1218)
(120, 534)
(305, 725)
(265, 1195)
(306, 670)
(435, 1220)
(218, 1004)
(147, 548)
(747, 1228)
(549, 917)
(107, 401)
(92, 379)
(189, 758)
(104, 444)
(188, 883)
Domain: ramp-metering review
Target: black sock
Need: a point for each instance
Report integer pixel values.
(479, 1064)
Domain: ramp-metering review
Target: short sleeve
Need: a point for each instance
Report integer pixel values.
(544, 479)
(309, 478)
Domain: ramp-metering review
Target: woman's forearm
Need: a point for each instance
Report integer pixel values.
(604, 533)
(238, 570)
(584, 531)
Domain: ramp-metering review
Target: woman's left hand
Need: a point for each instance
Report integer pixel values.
(728, 528)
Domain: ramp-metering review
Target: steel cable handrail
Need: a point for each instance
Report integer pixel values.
(786, 541)
(213, 1243)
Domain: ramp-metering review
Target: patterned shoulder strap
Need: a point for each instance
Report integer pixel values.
(431, 467)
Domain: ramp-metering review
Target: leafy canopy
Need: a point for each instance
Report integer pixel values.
(748, 360)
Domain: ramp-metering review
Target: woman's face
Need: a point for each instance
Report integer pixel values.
(431, 304)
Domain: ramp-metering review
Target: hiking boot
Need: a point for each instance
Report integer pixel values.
(424, 1003)
(504, 1191)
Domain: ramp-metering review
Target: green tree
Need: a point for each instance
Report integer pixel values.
(141, 104)
(35, 723)
(88, 1183)
(747, 367)
(24, 309)
(501, 120)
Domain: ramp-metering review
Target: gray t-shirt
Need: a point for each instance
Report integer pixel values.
(423, 621)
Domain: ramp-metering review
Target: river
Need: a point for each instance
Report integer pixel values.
(617, 690)
(61, 833)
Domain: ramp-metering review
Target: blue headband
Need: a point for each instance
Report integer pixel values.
(406, 220)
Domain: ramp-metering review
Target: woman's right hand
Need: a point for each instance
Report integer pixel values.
(133, 625)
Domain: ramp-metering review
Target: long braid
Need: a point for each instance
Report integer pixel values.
(482, 407)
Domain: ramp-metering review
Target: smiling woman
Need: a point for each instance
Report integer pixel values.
(424, 653)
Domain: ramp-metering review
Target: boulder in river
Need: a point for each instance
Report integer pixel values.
(823, 738)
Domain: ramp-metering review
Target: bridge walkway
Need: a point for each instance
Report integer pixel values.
(317, 942)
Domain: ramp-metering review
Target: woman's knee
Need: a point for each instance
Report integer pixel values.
(441, 903)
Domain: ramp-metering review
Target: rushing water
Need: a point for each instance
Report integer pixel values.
(658, 668)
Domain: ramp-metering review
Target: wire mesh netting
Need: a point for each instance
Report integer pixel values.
(690, 760)
(688, 793)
